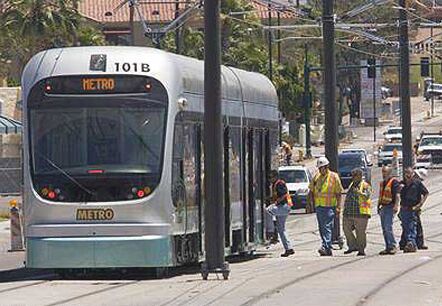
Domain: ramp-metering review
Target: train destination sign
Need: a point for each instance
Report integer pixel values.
(97, 84)
(99, 214)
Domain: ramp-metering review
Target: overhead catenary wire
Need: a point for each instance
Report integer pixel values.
(365, 52)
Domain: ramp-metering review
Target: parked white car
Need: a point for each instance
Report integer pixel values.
(385, 154)
(393, 133)
(434, 90)
(429, 151)
(297, 179)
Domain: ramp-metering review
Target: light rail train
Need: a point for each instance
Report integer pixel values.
(113, 158)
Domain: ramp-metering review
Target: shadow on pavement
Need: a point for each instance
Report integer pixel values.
(26, 274)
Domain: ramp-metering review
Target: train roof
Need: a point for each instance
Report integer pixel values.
(170, 69)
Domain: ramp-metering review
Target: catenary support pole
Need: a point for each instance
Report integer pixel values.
(432, 71)
(270, 42)
(405, 85)
(213, 144)
(307, 103)
(374, 106)
(177, 31)
(331, 124)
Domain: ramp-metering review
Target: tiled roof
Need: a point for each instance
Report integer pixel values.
(156, 11)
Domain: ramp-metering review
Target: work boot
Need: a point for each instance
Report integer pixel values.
(324, 252)
(392, 251)
(383, 252)
(274, 239)
(410, 248)
(288, 253)
(423, 247)
(349, 251)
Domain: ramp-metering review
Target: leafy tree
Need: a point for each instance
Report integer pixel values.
(29, 26)
(244, 46)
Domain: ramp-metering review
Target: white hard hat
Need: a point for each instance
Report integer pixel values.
(421, 173)
(322, 161)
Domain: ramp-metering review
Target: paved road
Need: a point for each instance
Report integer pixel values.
(266, 278)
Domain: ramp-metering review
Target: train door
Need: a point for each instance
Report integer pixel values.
(267, 159)
(227, 203)
(260, 158)
(198, 184)
(244, 184)
(251, 186)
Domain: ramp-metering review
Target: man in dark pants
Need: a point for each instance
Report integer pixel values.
(419, 174)
(280, 209)
(387, 207)
(413, 196)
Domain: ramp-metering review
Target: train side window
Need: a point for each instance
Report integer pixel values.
(184, 164)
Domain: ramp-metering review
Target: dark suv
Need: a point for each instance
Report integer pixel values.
(350, 160)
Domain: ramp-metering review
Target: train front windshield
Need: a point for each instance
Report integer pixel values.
(98, 147)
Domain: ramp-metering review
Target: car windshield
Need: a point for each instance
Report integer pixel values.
(394, 131)
(390, 148)
(436, 141)
(349, 162)
(293, 176)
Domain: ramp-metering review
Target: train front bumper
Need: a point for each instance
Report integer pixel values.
(99, 252)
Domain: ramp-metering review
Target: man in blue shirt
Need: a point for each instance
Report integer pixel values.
(413, 196)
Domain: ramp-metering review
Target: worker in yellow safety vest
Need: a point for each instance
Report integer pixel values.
(279, 210)
(357, 211)
(326, 190)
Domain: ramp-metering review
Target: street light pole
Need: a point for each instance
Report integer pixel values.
(331, 133)
(213, 145)
(405, 85)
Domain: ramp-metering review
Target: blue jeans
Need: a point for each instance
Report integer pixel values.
(281, 213)
(409, 225)
(326, 217)
(387, 215)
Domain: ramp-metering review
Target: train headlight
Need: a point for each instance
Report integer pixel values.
(51, 195)
(146, 190)
(44, 191)
(140, 193)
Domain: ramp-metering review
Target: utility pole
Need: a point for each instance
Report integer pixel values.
(375, 121)
(407, 160)
(270, 42)
(279, 37)
(331, 133)
(213, 145)
(307, 102)
(131, 22)
(177, 31)
(431, 71)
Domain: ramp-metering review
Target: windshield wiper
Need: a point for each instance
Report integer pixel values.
(50, 162)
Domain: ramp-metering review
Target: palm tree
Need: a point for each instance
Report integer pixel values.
(39, 24)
